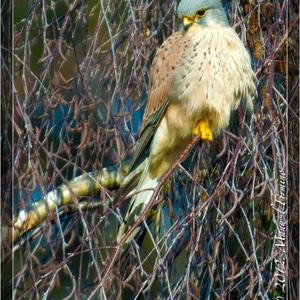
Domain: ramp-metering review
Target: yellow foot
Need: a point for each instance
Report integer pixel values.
(203, 130)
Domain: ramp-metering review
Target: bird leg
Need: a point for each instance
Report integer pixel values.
(203, 130)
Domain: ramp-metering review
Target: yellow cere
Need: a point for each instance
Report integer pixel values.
(187, 21)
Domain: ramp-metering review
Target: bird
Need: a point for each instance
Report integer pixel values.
(199, 75)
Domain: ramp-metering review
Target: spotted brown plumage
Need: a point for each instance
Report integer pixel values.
(198, 76)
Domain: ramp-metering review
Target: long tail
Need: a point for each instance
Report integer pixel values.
(140, 199)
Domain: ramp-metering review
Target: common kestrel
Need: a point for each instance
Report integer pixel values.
(198, 76)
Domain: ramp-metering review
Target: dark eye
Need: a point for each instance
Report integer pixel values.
(200, 13)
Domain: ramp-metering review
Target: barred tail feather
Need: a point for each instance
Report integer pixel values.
(138, 203)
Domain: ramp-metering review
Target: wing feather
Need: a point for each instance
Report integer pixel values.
(162, 73)
(161, 79)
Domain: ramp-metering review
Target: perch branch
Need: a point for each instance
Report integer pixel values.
(85, 185)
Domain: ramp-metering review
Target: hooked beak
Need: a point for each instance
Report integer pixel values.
(187, 22)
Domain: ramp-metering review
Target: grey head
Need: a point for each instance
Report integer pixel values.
(202, 12)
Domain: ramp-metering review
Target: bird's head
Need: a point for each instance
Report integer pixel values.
(201, 12)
